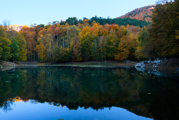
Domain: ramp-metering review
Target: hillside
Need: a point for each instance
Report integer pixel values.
(143, 13)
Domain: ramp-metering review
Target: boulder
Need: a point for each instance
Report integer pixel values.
(141, 65)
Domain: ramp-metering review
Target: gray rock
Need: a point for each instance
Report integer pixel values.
(141, 65)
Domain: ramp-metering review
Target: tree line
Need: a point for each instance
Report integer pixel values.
(82, 42)
(96, 39)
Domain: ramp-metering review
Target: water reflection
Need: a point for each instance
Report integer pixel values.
(141, 93)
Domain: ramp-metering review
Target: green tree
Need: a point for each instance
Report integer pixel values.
(15, 49)
(2, 32)
(22, 47)
(94, 50)
(5, 49)
(162, 41)
(86, 41)
(140, 45)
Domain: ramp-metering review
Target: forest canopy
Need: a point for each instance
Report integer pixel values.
(96, 39)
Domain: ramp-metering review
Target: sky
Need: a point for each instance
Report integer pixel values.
(27, 12)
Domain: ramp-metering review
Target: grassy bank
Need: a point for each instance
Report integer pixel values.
(83, 64)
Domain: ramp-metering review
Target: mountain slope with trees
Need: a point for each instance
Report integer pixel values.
(143, 13)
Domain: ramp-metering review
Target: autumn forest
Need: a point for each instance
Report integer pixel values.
(96, 39)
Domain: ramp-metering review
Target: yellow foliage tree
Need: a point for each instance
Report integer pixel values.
(177, 34)
(40, 48)
(138, 53)
(125, 47)
(95, 25)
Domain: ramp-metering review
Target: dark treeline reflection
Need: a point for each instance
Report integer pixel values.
(141, 93)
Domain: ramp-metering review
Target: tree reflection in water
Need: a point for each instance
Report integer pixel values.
(138, 92)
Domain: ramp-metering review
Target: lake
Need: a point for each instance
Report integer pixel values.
(71, 93)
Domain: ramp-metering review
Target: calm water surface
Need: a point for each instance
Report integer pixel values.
(65, 93)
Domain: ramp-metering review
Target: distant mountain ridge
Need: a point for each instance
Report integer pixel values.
(143, 13)
(15, 27)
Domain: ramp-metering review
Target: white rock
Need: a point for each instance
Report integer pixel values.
(142, 65)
